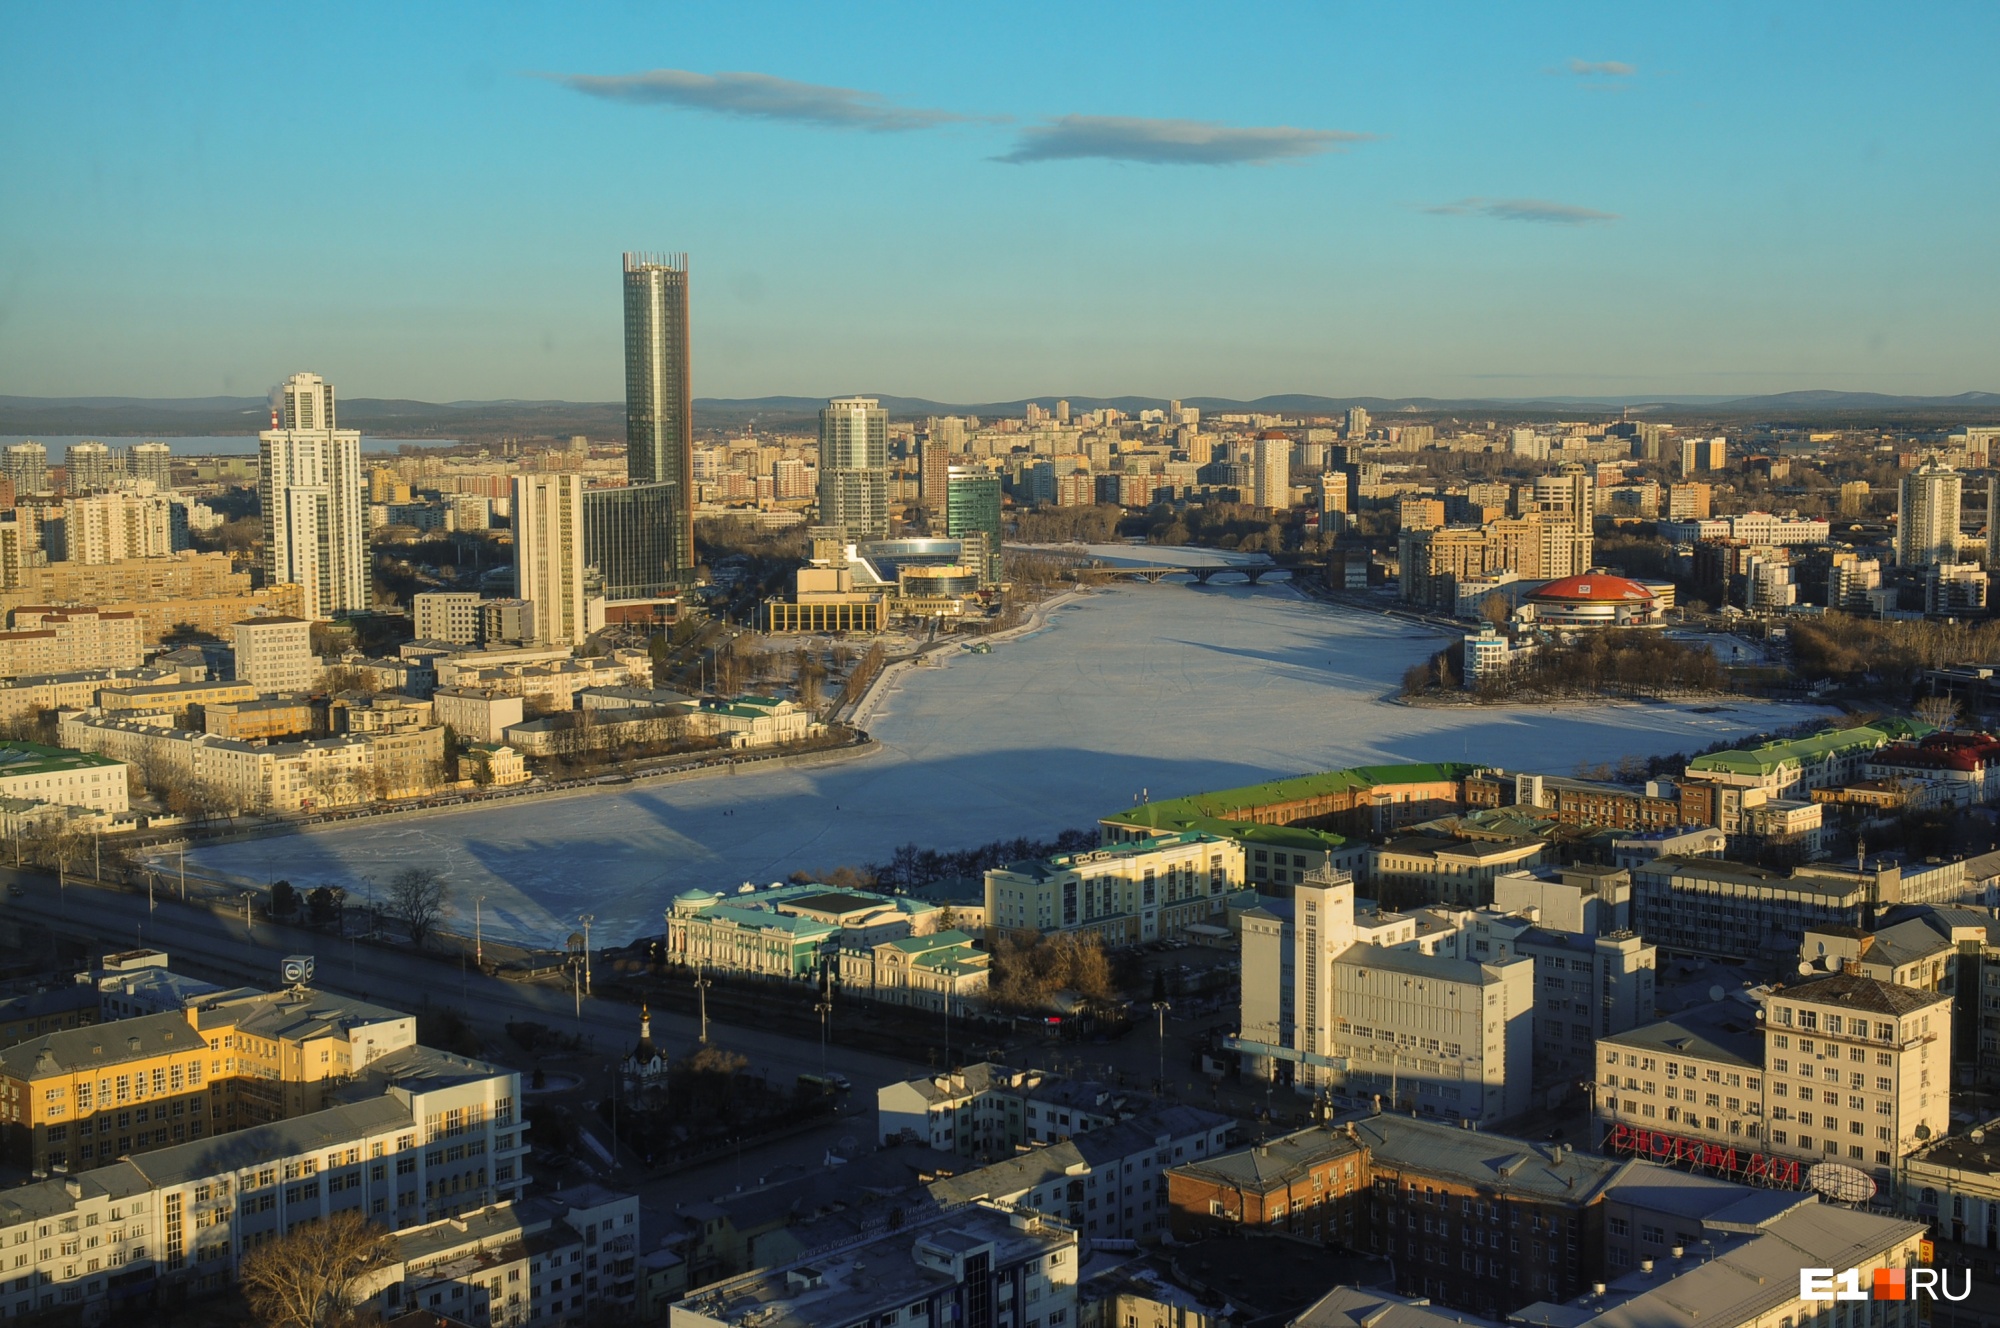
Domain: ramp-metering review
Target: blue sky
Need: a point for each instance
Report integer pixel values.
(980, 203)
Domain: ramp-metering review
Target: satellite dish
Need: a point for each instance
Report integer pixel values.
(1805, 967)
(1923, 1132)
(1716, 993)
(1841, 1183)
(1977, 1136)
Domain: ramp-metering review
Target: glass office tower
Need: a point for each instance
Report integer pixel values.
(659, 429)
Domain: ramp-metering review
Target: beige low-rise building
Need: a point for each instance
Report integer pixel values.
(173, 698)
(266, 717)
(1124, 893)
(1437, 869)
(478, 714)
(26, 697)
(200, 592)
(259, 776)
(68, 778)
(492, 765)
(51, 640)
(934, 971)
(379, 712)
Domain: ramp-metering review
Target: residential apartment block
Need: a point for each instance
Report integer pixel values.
(275, 654)
(568, 1257)
(201, 591)
(50, 640)
(288, 776)
(987, 1109)
(1109, 1183)
(1124, 893)
(978, 1266)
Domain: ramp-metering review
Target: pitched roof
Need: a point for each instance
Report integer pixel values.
(1276, 1162)
(300, 1135)
(1854, 992)
(94, 1045)
(1724, 1031)
(1488, 1161)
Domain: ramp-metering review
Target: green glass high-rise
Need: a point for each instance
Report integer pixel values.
(972, 512)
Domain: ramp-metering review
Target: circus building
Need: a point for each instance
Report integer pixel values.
(1597, 599)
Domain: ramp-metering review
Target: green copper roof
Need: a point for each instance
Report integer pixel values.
(1228, 805)
(1766, 758)
(32, 758)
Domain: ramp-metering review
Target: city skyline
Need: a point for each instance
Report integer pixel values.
(1481, 206)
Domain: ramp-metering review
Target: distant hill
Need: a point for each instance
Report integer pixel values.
(123, 417)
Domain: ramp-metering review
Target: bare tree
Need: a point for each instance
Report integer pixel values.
(306, 1278)
(1940, 712)
(417, 896)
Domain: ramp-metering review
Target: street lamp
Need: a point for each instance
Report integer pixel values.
(1160, 1008)
(824, 1006)
(478, 935)
(701, 985)
(588, 918)
(247, 896)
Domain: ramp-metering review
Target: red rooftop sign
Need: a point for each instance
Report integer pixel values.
(1701, 1155)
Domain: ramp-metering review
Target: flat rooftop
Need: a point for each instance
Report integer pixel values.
(32, 758)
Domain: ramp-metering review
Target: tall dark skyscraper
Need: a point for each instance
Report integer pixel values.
(659, 404)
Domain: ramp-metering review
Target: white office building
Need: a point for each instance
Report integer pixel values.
(1361, 1011)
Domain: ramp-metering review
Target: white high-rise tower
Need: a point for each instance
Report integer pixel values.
(309, 484)
(1927, 515)
(854, 467)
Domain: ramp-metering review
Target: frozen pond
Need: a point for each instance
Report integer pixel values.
(1165, 690)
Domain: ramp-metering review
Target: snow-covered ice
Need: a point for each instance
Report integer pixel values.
(1164, 690)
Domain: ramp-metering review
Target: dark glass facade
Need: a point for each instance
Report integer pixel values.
(629, 541)
(659, 404)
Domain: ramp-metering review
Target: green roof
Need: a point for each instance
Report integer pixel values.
(763, 920)
(1226, 807)
(937, 940)
(32, 758)
(1765, 758)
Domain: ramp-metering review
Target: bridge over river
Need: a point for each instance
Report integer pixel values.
(1097, 562)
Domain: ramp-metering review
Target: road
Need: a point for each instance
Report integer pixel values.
(220, 946)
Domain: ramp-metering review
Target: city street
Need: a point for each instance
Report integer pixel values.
(220, 946)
